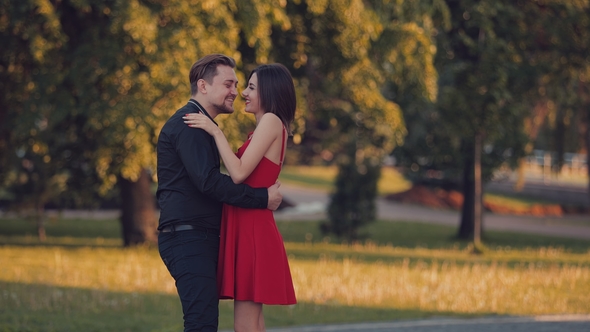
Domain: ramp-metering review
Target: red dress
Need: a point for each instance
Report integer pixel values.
(253, 263)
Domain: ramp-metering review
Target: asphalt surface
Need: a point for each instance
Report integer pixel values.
(311, 205)
(563, 193)
(564, 323)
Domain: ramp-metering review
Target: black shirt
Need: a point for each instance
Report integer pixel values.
(191, 188)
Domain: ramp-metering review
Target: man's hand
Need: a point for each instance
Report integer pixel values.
(274, 196)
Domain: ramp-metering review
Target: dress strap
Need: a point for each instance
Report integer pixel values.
(283, 145)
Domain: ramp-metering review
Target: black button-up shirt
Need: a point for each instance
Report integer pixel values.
(191, 188)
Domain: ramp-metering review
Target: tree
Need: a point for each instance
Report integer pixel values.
(563, 52)
(352, 204)
(476, 124)
(107, 74)
(31, 156)
(341, 54)
(380, 42)
(488, 70)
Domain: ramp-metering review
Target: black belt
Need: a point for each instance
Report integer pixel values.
(184, 227)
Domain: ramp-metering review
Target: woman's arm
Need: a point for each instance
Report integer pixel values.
(267, 131)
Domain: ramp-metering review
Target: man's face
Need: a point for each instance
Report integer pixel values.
(222, 91)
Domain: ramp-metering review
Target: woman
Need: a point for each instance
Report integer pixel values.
(253, 268)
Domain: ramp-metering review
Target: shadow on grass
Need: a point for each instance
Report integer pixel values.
(410, 235)
(71, 233)
(36, 307)
(305, 241)
(103, 228)
(414, 235)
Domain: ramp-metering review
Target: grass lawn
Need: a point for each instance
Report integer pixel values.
(81, 279)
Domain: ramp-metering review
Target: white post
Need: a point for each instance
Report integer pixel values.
(547, 168)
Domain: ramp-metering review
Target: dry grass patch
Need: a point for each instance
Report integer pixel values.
(323, 177)
(445, 287)
(436, 285)
(110, 269)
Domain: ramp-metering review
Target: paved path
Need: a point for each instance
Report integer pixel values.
(563, 193)
(562, 323)
(311, 205)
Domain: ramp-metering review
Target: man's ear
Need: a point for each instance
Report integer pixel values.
(202, 86)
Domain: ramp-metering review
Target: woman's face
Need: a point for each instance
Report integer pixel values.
(251, 95)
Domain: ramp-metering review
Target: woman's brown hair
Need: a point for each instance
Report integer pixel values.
(277, 91)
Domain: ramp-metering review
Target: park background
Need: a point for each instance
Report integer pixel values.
(460, 105)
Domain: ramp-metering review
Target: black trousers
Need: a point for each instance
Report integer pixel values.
(191, 258)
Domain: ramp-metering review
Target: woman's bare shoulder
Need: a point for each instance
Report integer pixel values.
(270, 122)
(271, 117)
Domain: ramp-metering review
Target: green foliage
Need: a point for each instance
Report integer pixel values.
(483, 79)
(352, 205)
(87, 85)
(499, 63)
(562, 54)
(342, 52)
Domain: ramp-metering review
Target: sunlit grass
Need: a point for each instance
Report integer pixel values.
(416, 236)
(445, 286)
(423, 280)
(514, 202)
(75, 281)
(322, 177)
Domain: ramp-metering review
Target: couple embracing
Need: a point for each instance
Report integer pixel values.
(218, 237)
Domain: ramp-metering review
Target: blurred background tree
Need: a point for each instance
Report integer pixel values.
(483, 76)
(562, 52)
(494, 64)
(342, 53)
(86, 86)
(100, 78)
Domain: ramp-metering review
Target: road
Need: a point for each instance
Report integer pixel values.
(559, 192)
(557, 323)
(311, 205)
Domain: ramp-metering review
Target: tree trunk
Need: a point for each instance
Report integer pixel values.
(588, 149)
(466, 228)
(532, 125)
(560, 129)
(478, 190)
(138, 211)
(40, 217)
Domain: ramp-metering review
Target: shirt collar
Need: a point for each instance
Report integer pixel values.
(200, 109)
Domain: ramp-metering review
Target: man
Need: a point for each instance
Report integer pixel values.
(191, 191)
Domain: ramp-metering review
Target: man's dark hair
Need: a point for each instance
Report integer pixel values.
(206, 68)
(277, 92)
